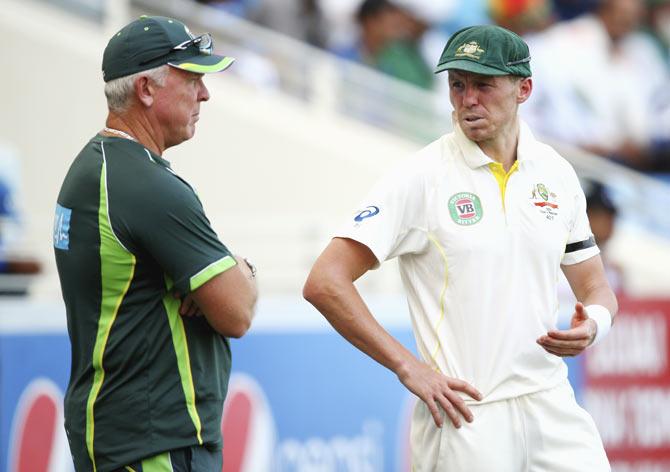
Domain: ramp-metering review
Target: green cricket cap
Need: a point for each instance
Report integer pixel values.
(153, 41)
(486, 50)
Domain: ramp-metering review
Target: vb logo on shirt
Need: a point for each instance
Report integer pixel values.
(465, 208)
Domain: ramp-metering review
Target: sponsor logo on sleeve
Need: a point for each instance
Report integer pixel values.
(368, 212)
(465, 208)
(62, 228)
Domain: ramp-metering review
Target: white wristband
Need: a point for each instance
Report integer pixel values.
(603, 319)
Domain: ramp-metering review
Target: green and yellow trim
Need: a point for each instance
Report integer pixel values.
(180, 343)
(117, 267)
(215, 268)
(440, 249)
(159, 463)
(222, 65)
(502, 177)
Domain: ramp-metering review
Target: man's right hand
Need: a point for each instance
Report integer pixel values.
(247, 269)
(438, 391)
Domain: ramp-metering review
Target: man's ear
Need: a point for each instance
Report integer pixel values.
(145, 89)
(525, 89)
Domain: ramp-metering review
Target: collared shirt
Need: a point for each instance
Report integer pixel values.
(144, 379)
(479, 254)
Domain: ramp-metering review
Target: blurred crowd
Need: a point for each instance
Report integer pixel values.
(601, 67)
(11, 227)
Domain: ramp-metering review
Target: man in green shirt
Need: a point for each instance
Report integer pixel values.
(139, 263)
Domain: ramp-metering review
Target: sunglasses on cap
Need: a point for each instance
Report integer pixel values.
(204, 43)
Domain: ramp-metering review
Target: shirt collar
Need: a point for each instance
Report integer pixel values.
(526, 149)
(158, 159)
(155, 158)
(475, 157)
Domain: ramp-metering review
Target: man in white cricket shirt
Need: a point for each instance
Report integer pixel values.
(481, 220)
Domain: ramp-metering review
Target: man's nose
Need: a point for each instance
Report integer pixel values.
(203, 95)
(470, 96)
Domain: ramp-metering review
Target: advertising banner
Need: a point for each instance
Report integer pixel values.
(301, 398)
(627, 379)
(296, 402)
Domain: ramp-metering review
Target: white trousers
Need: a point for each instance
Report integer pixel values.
(545, 431)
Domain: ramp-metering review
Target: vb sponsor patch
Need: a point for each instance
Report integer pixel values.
(465, 208)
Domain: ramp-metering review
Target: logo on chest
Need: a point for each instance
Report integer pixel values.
(545, 201)
(465, 208)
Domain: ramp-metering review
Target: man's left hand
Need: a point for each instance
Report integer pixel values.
(188, 306)
(573, 341)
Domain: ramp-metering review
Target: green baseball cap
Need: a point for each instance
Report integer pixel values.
(152, 41)
(486, 50)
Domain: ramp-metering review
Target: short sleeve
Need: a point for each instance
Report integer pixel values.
(391, 219)
(581, 244)
(167, 222)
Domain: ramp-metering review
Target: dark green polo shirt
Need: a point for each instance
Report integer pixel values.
(144, 379)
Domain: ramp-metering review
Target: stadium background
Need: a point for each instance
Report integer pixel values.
(278, 163)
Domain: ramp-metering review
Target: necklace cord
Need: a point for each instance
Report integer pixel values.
(120, 133)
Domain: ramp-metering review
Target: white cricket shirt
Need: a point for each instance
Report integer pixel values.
(479, 254)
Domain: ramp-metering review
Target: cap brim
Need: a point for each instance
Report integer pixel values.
(469, 66)
(203, 63)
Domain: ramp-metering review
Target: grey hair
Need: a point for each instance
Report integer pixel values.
(120, 91)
